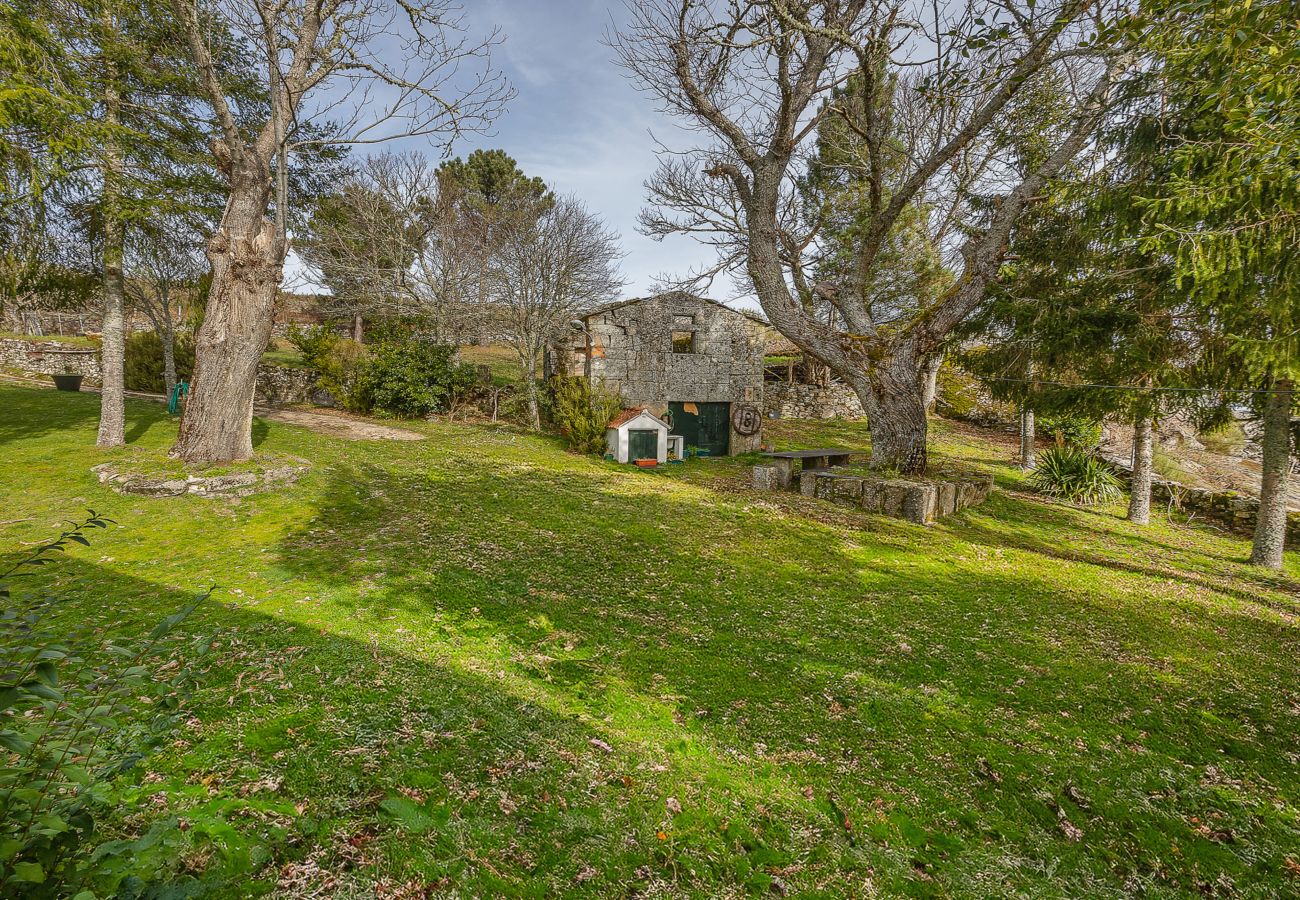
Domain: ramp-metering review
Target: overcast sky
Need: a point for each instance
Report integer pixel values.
(580, 124)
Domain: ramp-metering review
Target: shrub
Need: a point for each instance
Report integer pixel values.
(314, 342)
(143, 365)
(75, 717)
(1081, 432)
(340, 369)
(1075, 475)
(580, 411)
(413, 378)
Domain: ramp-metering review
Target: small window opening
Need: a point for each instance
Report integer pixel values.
(683, 341)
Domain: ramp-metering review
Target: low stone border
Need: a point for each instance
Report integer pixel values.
(921, 502)
(239, 484)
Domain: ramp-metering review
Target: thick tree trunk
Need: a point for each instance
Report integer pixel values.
(1270, 527)
(1028, 438)
(247, 263)
(895, 405)
(1139, 501)
(358, 328)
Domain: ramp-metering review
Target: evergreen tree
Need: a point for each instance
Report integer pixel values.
(1228, 214)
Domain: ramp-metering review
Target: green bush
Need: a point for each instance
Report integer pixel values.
(1080, 432)
(413, 378)
(580, 411)
(1075, 475)
(340, 369)
(314, 342)
(76, 716)
(143, 366)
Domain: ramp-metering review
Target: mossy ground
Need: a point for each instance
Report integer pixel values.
(482, 664)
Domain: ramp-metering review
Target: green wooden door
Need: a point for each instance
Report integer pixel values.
(642, 443)
(707, 427)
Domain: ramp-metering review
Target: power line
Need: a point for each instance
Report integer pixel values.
(1140, 388)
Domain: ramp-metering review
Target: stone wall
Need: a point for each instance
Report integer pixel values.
(288, 386)
(48, 358)
(1227, 509)
(276, 385)
(919, 501)
(630, 347)
(786, 400)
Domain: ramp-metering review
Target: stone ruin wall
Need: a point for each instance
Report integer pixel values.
(792, 400)
(276, 385)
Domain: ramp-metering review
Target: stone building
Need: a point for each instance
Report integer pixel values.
(692, 361)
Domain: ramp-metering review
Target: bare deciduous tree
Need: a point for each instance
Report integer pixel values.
(760, 79)
(386, 244)
(164, 266)
(548, 269)
(335, 72)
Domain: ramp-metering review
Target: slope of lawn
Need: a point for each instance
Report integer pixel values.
(479, 664)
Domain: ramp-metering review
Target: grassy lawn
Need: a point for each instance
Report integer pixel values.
(72, 340)
(478, 663)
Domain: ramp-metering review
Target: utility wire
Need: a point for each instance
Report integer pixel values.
(1140, 388)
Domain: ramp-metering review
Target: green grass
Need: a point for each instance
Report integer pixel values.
(424, 649)
(289, 357)
(72, 340)
(502, 361)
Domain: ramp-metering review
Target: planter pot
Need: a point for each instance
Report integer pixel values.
(647, 463)
(67, 382)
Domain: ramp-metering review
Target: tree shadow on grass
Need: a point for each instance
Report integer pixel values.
(390, 756)
(1011, 522)
(881, 672)
(27, 413)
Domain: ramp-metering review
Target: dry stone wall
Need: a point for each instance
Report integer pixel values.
(787, 400)
(48, 358)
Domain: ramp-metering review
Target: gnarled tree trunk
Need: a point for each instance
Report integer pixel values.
(247, 263)
(1270, 526)
(1139, 500)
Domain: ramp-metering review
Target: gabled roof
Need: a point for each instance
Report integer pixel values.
(628, 415)
(673, 295)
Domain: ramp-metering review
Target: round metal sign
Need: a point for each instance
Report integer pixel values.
(747, 420)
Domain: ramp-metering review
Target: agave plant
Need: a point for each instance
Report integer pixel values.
(1075, 475)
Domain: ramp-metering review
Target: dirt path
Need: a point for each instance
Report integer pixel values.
(337, 425)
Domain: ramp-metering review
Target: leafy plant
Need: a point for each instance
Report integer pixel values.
(581, 410)
(314, 342)
(413, 378)
(143, 365)
(1082, 432)
(75, 718)
(340, 369)
(1075, 475)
